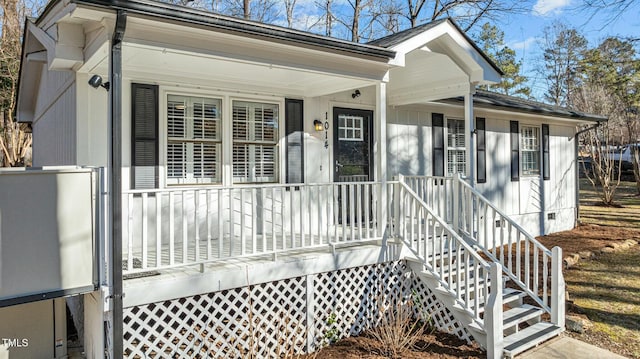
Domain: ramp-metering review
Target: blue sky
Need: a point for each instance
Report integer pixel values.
(524, 32)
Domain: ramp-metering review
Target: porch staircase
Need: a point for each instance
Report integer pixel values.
(499, 295)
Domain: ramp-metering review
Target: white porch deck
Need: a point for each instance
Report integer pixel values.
(190, 226)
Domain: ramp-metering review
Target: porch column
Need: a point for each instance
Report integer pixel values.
(380, 152)
(468, 136)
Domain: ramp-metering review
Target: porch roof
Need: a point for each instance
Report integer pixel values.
(229, 24)
(402, 36)
(492, 100)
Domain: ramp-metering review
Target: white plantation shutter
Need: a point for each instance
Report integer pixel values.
(255, 137)
(194, 140)
(456, 150)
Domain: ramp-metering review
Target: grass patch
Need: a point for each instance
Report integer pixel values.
(626, 214)
(607, 291)
(607, 288)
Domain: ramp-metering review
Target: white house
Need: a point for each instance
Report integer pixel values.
(252, 187)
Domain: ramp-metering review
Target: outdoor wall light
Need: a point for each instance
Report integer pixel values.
(96, 81)
(355, 94)
(317, 124)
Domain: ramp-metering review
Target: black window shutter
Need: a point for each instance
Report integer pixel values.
(515, 150)
(295, 140)
(437, 128)
(545, 153)
(144, 136)
(481, 156)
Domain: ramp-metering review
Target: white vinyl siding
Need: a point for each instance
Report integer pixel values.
(194, 140)
(456, 150)
(530, 150)
(255, 139)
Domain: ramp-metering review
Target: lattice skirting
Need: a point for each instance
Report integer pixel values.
(277, 319)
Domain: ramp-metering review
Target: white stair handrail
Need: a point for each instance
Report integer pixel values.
(480, 262)
(522, 277)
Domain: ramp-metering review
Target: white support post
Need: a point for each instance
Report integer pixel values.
(493, 315)
(380, 154)
(310, 313)
(456, 202)
(557, 288)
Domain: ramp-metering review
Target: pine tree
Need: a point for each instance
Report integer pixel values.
(491, 41)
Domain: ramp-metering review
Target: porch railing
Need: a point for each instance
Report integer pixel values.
(430, 237)
(172, 227)
(435, 191)
(534, 268)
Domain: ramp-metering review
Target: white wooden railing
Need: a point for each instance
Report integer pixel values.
(529, 264)
(534, 268)
(435, 191)
(172, 227)
(430, 237)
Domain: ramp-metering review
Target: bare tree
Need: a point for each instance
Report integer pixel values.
(467, 13)
(289, 6)
(414, 8)
(259, 10)
(605, 160)
(15, 140)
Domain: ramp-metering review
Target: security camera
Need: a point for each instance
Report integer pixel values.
(96, 81)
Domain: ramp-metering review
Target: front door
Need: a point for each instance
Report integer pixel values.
(353, 162)
(353, 151)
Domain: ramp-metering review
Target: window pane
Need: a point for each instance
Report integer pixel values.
(194, 140)
(350, 128)
(456, 150)
(530, 150)
(255, 137)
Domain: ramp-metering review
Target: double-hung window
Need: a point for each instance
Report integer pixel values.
(456, 150)
(530, 150)
(255, 142)
(194, 140)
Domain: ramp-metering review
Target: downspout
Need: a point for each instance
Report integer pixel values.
(577, 149)
(115, 185)
(470, 133)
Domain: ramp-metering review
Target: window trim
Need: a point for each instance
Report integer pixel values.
(457, 149)
(227, 99)
(521, 150)
(167, 139)
(279, 148)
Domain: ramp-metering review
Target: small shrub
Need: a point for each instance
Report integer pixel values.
(397, 330)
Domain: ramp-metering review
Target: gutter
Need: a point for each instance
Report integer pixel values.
(234, 25)
(115, 182)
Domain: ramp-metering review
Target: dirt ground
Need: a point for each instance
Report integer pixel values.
(433, 345)
(588, 237)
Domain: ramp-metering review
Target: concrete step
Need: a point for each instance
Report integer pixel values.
(515, 316)
(529, 337)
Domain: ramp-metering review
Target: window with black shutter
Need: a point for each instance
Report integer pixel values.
(481, 155)
(294, 141)
(545, 153)
(437, 128)
(515, 150)
(144, 153)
